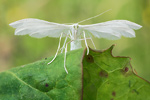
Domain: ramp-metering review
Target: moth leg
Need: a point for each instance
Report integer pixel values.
(65, 59)
(64, 45)
(92, 42)
(65, 56)
(86, 43)
(67, 35)
(57, 49)
(82, 39)
(70, 35)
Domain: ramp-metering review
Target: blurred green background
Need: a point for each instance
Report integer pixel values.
(20, 50)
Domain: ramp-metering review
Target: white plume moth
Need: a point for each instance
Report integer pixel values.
(111, 30)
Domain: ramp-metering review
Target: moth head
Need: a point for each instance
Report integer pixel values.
(75, 26)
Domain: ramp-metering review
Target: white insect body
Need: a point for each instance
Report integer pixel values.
(111, 30)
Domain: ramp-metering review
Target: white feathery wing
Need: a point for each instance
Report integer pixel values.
(39, 28)
(112, 30)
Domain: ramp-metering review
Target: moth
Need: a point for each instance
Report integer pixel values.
(111, 30)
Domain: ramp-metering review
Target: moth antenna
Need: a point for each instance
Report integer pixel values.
(94, 16)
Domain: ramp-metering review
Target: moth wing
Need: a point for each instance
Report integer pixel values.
(112, 30)
(39, 28)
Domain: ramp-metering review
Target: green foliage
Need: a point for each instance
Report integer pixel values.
(97, 76)
(111, 78)
(39, 81)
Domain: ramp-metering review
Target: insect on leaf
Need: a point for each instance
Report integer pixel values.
(111, 30)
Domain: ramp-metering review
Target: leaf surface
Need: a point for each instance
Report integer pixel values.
(111, 78)
(39, 81)
(97, 76)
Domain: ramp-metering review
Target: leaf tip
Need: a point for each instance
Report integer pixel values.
(111, 48)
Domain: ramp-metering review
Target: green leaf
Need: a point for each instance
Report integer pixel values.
(39, 81)
(97, 76)
(111, 78)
